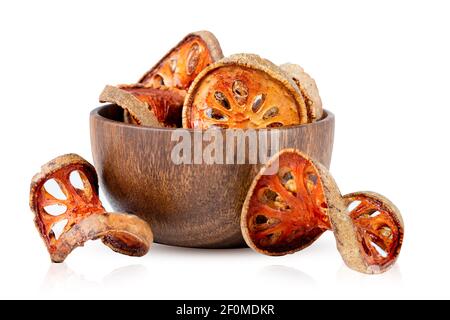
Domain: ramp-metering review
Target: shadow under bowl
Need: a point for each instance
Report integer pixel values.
(189, 205)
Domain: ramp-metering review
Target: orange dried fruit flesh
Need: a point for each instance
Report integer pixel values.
(243, 91)
(294, 199)
(79, 207)
(179, 67)
(379, 228)
(147, 106)
(308, 88)
(286, 211)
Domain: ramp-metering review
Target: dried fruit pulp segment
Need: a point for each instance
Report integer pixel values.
(239, 97)
(296, 214)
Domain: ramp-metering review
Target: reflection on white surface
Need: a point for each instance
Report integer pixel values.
(60, 276)
(393, 276)
(287, 276)
(166, 250)
(180, 273)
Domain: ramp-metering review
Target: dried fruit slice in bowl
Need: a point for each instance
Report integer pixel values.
(308, 88)
(179, 67)
(379, 229)
(294, 199)
(82, 217)
(243, 91)
(147, 106)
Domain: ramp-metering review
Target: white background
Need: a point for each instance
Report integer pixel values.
(382, 67)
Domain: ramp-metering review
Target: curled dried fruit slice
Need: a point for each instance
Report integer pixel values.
(308, 88)
(286, 211)
(179, 67)
(176, 70)
(83, 214)
(379, 230)
(243, 91)
(164, 102)
(138, 110)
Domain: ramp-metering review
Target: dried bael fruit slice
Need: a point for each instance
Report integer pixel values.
(379, 228)
(138, 110)
(286, 211)
(176, 70)
(308, 88)
(243, 91)
(82, 212)
(165, 103)
(179, 67)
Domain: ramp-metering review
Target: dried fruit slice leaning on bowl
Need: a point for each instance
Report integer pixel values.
(82, 212)
(287, 211)
(308, 88)
(173, 74)
(243, 91)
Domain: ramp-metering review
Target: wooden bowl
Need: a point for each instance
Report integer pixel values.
(196, 205)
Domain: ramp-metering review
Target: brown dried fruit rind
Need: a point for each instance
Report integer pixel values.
(139, 110)
(165, 103)
(85, 216)
(243, 91)
(308, 88)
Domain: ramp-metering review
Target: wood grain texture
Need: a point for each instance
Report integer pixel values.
(196, 205)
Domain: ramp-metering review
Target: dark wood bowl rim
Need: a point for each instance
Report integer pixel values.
(328, 116)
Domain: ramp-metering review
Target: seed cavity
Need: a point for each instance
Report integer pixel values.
(258, 101)
(260, 219)
(55, 209)
(352, 206)
(215, 114)
(192, 59)
(222, 99)
(240, 92)
(386, 232)
(272, 112)
(288, 181)
(158, 80)
(379, 249)
(58, 228)
(371, 213)
(173, 65)
(311, 182)
(270, 239)
(273, 200)
(52, 187)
